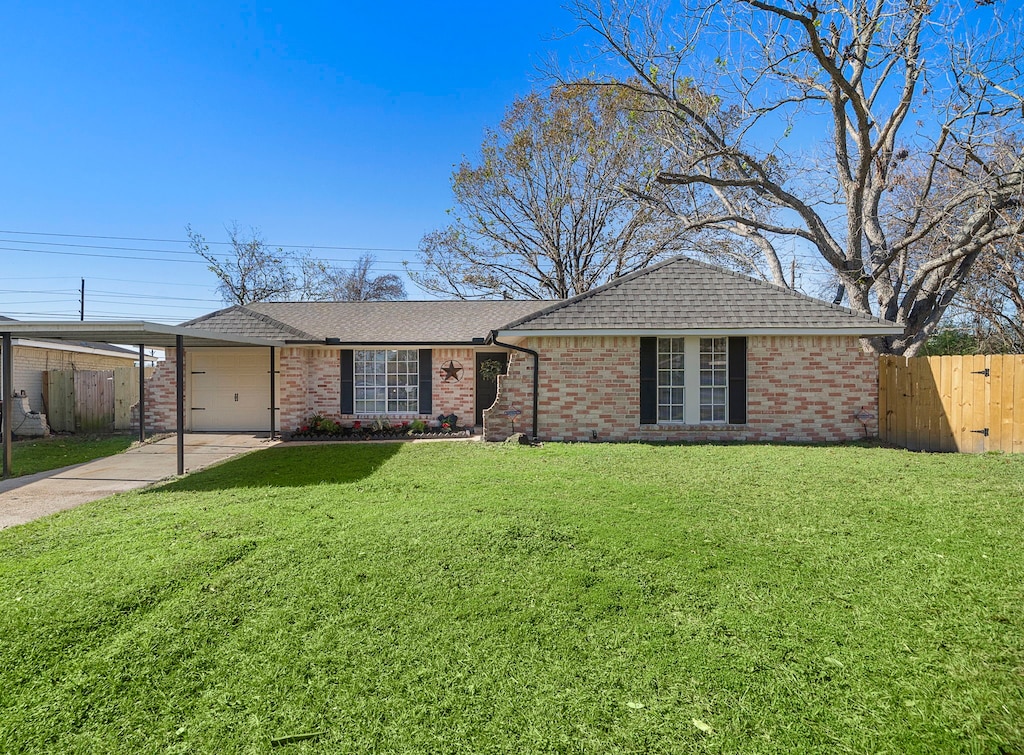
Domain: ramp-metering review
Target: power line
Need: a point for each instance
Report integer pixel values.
(102, 256)
(396, 266)
(223, 243)
(150, 283)
(122, 295)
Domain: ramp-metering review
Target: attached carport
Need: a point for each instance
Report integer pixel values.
(144, 335)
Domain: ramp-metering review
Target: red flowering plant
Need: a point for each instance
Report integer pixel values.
(447, 422)
(318, 425)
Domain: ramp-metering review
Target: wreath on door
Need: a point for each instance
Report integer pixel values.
(490, 369)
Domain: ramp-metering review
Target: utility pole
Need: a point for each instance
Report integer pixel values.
(81, 307)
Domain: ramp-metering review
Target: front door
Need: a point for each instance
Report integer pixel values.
(487, 380)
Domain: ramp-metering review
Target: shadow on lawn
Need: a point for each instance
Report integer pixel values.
(289, 467)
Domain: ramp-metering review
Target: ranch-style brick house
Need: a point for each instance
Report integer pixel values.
(681, 350)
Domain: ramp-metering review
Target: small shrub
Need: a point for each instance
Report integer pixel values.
(318, 424)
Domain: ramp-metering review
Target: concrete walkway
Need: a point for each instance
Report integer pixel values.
(23, 499)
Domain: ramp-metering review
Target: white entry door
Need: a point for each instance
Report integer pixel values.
(230, 389)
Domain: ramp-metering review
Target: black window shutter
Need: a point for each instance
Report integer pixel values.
(737, 380)
(426, 381)
(348, 403)
(648, 381)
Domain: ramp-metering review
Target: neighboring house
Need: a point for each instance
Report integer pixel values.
(33, 357)
(679, 351)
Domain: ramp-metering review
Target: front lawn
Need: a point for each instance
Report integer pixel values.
(470, 598)
(44, 454)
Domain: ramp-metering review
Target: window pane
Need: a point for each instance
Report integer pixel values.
(671, 380)
(714, 379)
(386, 381)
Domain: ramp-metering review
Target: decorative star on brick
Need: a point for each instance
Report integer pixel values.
(451, 370)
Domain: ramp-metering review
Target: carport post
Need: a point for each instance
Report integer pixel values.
(8, 381)
(142, 393)
(179, 384)
(273, 408)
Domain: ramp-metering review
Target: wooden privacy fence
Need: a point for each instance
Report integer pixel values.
(98, 401)
(971, 404)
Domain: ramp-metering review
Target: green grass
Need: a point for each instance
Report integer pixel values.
(31, 456)
(469, 598)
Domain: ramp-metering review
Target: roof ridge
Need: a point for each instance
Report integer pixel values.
(592, 292)
(682, 258)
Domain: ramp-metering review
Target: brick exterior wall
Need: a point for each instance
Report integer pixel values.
(799, 388)
(515, 393)
(455, 396)
(160, 395)
(309, 382)
(30, 363)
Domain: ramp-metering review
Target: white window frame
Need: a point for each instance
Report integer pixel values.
(714, 380)
(694, 377)
(672, 380)
(392, 386)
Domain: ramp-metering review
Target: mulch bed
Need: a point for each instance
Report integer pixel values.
(364, 436)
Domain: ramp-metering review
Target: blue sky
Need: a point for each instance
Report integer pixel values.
(323, 124)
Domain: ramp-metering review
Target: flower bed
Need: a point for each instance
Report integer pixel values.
(323, 428)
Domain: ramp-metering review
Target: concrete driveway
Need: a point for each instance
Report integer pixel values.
(23, 499)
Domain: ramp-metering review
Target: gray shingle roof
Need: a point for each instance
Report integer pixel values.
(245, 321)
(426, 322)
(683, 294)
(675, 295)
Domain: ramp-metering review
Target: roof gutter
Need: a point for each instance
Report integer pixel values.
(859, 331)
(493, 338)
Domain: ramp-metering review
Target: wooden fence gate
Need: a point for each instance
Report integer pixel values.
(970, 404)
(97, 401)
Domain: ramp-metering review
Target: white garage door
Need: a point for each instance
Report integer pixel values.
(230, 389)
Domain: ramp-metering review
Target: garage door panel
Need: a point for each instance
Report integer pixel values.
(230, 389)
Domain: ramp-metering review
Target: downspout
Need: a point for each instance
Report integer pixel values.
(493, 338)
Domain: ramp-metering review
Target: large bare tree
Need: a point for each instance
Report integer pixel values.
(994, 296)
(543, 212)
(325, 282)
(253, 271)
(823, 107)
